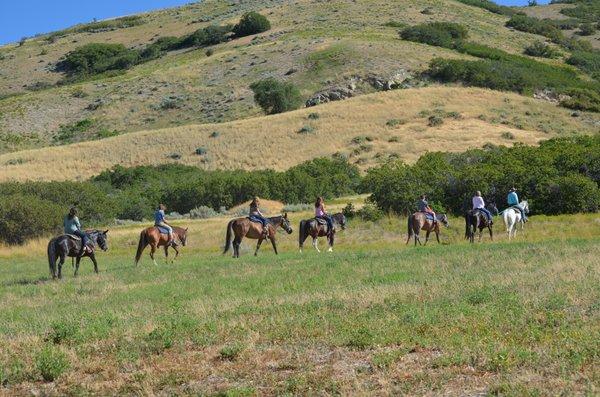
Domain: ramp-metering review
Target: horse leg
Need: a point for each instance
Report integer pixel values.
(260, 240)
(331, 243)
(93, 258)
(272, 238)
(152, 251)
(316, 243)
(176, 254)
(437, 234)
(77, 261)
(427, 236)
(491, 232)
(166, 254)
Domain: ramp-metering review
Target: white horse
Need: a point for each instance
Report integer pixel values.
(512, 216)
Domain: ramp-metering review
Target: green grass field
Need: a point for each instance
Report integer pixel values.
(373, 317)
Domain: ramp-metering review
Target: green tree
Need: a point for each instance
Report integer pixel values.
(251, 23)
(276, 96)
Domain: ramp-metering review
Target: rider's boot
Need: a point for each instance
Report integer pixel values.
(265, 232)
(172, 242)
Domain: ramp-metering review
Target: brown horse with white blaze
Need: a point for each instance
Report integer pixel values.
(244, 227)
(419, 221)
(154, 238)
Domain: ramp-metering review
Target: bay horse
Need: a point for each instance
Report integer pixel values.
(418, 221)
(512, 216)
(476, 219)
(244, 227)
(154, 238)
(318, 228)
(68, 245)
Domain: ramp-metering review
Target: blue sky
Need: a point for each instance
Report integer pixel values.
(19, 18)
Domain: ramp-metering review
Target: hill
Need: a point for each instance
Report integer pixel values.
(368, 129)
(314, 44)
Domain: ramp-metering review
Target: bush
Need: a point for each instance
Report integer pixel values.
(490, 6)
(51, 363)
(435, 121)
(201, 151)
(442, 34)
(203, 212)
(204, 37)
(586, 29)
(251, 23)
(67, 133)
(24, 216)
(231, 351)
(370, 213)
(588, 61)
(543, 27)
(94, 58)
(569, 194)
(541, 49)
(582, 99)
(275, 96)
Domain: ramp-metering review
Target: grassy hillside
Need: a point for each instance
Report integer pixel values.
(368, 129)
(315, 44)
(375, 316)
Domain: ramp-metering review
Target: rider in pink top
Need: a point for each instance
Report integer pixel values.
(321, 213)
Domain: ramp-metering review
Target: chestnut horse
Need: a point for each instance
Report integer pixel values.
(244, 227)
(418, 221)
(318, 228)
(154, 238)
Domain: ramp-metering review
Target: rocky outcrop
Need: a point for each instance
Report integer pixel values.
(331, 94)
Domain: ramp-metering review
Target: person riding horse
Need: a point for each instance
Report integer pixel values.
(479, 205)
(161, 222)
(423, 206)
(256, 216)
(513, 201)
(72, 226)
(321, 213)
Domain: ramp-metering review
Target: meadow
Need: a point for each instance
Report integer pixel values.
(373, 317)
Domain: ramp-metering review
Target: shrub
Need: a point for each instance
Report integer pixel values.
(508, 135)
(251, 23)
(63, 332)
(534, 25)
(307, 129)
(214, 134)
(94, 58)
(490, 6)
(67, 133)
(51, 363)
(204, 37)
(435, 121)
(588, 61)
(201, 151)
(442, 34)
(203, 212)
(394, 122)
(209, 52)
(541, 49)
(370, 213)
(24, 216)
(230, 352)
(586, 29)
(582, 99)
(349, 211)
(569, 194)
(275, 96)
(395, 24)
(313, 116)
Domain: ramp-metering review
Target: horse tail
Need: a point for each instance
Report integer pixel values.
(410, 227)
(52, 256)
(228, 236)
(141, 245)
(301, 232)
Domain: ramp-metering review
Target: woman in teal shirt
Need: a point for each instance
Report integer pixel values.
(513, 201)
(72, 226)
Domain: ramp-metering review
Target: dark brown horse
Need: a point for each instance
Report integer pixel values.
(244, 227)
(418, 221)
(154, 238)
(476, 219)
(68, 245)
(318, 228)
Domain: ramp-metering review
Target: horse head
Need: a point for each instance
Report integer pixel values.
(340, 219)
(492, 208)
(100, 238)
(444, 219)
(525, 205)
(182, 236)
(285, 223)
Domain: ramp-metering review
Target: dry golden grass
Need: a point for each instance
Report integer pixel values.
(275, 141)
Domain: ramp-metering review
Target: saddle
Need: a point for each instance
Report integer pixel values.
(74, 237)
(254, 219)
(429, 216)
(162, 230)
(321, 221)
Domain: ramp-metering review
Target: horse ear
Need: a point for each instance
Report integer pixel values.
(186, 229)
(285, 215)
(106, 231)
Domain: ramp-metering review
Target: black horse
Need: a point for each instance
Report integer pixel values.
(67, 245)
(476, 219)
(318, 228)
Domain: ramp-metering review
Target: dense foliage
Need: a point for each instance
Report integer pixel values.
(134, 193)
(442, 34)
(490, 6)
(251, 23)
(541, 49)
(94, 58)
(276, 96)
(559, 176)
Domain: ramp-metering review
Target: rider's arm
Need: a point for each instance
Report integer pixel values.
(76, 220)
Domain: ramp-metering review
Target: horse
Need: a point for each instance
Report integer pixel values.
(68, 245)
(419, 220)
(476, 219)
(244, 227)
(153, 237)
(512, 216)
(317, 228)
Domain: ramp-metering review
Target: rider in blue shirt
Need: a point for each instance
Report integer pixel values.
(159, 220)
(513, 201)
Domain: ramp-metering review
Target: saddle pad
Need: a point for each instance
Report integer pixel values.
(162, 230)
(428, 216)
(74, 237)
(321, 221)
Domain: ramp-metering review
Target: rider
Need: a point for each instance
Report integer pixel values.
(159, 220)
(256, 214)
(513, 201)
(479, 204)
(72, 226)
(322, 214)
(423, 206)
